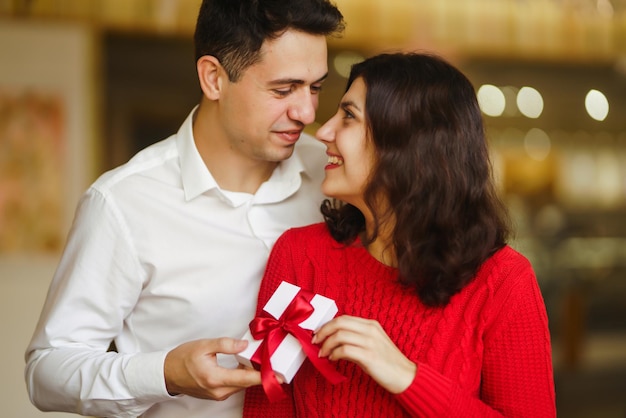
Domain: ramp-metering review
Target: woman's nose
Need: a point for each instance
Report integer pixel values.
(326, 133)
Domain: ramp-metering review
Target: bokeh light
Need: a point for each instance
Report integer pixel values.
(597, 105)
(491, 100)
(530, 102)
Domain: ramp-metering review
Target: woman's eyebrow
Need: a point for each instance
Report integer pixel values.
(349, 103)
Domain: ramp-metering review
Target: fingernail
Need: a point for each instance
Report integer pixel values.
(314, 339)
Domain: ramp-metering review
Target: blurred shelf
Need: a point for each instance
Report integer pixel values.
(576, 31)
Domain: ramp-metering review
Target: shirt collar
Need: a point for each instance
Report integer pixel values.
(284, 181)
(197, 179)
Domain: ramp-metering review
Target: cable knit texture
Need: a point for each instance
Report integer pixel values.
(487, 353)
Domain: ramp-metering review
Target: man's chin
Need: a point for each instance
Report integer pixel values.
(282, 154)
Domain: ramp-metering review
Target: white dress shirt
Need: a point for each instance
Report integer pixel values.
(159, 255)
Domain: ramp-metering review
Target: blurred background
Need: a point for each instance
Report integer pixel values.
(84, 84)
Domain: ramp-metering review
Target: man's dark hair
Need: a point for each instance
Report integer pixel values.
(233, 31)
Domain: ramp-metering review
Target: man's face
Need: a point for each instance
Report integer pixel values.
(264, 113)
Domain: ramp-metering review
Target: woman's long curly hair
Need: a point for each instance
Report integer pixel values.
(434, 170)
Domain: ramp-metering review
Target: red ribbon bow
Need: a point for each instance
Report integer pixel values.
(272, 331)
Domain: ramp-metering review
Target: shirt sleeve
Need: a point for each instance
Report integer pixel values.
(278, 269)
(96, 285)
(517, 377)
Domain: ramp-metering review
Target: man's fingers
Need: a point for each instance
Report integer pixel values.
(228, 345)
(240, 378)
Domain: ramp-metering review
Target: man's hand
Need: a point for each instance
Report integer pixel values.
(192, 369)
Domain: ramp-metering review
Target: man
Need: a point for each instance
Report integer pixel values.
(167, 251)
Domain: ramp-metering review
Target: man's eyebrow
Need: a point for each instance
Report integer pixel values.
(284, 81)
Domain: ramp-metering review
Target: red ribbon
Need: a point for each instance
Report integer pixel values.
(272, 331)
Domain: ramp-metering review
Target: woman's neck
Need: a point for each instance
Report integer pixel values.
(382, 248)
(383, 252)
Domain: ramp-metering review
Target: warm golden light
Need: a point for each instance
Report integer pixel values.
(530, 102)
(597, 105)
(344, 60)
(537, 144)
(491, 100)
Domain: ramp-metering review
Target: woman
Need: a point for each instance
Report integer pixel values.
(438, 316)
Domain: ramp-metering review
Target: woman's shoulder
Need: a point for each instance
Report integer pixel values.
(505, 270)
(303, 247)
(313, 232)
(307, 241)
(507, 258)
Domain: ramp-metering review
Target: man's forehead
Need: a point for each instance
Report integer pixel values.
(273, 73)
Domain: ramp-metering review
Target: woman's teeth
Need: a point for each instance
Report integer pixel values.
(335, 160)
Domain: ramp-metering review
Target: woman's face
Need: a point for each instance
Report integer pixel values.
(351, 155)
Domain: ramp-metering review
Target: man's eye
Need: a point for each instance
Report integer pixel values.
(282, 92)
(316, 89)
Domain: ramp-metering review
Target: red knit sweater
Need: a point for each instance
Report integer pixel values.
(487, 353)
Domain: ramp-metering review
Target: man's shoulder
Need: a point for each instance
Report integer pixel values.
(151, 158)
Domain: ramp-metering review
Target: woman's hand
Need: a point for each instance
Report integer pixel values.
(364, 342)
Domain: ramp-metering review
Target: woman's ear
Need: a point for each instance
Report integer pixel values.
(210, 73)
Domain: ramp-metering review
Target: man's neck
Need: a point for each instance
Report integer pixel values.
(239, 178)
(231, 170)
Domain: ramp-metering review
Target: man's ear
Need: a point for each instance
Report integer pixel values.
(210, 75)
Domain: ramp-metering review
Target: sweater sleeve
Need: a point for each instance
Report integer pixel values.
(279, 268)
(432, 395)
(517, 376)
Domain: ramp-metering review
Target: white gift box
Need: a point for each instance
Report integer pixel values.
(289, 355)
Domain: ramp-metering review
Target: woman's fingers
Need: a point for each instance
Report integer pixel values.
(339, 323)
(345, 334)
(365, 343)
